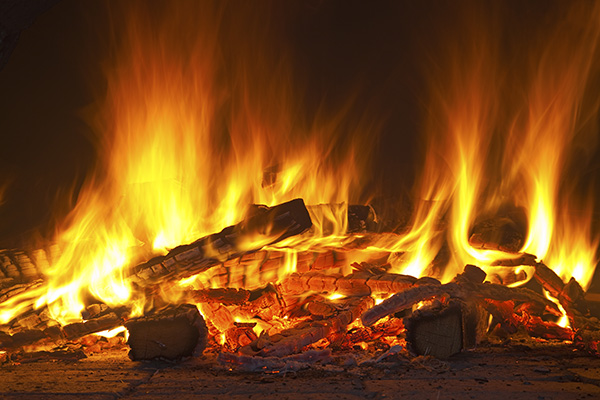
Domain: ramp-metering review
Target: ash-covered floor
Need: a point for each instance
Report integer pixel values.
(513, 371)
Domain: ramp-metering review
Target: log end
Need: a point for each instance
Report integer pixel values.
(172, 334)
(435, 332)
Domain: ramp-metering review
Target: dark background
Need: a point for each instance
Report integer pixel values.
(377, 49)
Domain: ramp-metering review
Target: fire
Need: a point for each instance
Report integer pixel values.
(484, 151)
(193, 129)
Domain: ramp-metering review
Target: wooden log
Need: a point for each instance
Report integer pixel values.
(466, 286)
(44, 335)
(22, 266)
(401, 301)
(436, 331)
(521, 259)
(170, 334)
(497, 233)
(241, 334)
(263, 228)
(570, 295)
(360, 283)
(388, 328)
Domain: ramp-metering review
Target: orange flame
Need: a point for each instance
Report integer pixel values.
(194, 128)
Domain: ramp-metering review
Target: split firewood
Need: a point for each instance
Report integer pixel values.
(264, 303)
(241, 334)
(170, 334)
(268, 226)
(497, 233)
(263, 228)
(257, 269)
(516, 261)
(17, 288)
(403, 300)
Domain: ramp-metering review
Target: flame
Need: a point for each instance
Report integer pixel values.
(193, 129)
(488, 147)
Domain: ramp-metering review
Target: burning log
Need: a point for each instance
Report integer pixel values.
(360, 283)
(268, 226)
(56, 335)
(401, 301)
(498, 233)
(465, 286)
(242, 334)
(170, 334)
(571, 295)
(18, 266)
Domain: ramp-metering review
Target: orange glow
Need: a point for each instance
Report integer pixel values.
(193, 129)
(185, 144)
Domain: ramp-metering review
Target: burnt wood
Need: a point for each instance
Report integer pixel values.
(266, 226)
(170, 334)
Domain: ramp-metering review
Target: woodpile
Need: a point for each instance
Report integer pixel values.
(253, 309)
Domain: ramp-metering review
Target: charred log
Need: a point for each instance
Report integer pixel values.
(171, 334)
(466, 286)
(437, 331)
(263, 228)
(45, 335)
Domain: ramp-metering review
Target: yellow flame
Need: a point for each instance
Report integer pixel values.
(488, 147)
(194, 127)
(109, 333)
